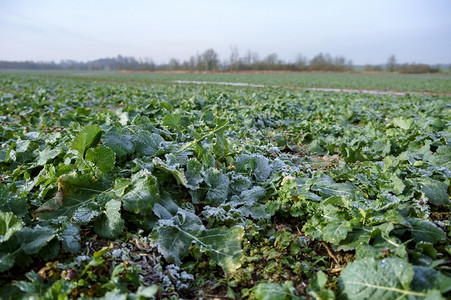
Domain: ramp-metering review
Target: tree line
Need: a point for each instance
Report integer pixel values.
(208, 61)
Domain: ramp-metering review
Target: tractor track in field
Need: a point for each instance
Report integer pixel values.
(339, 90)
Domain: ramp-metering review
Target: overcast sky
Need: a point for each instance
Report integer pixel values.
(362, 30)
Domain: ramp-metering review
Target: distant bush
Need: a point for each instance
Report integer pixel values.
(417, 69)
(371, 68)
(327, 63)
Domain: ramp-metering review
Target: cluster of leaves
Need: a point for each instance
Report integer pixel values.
(235, 187)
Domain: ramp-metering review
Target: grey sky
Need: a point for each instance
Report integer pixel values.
(362, 30)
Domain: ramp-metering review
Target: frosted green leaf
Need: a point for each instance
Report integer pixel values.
(403, 123)
(120, 185)
(172, 169)
(33, 239)
(239, 183)
(224, 246)
(86, 213)
(327, 187)
(142, 194)
(88, 137)
(218, 184)
(75, 191)
(102, 158)
(176, 235)
(48, 154)
(173, 121)
(355, 238)
(336, 231)
(380, 248)
(221, 146)
(426, 278)
(110, 224)
(254, 164)
(120, 143)
(442, 156)
(147, 292)
(22, 146)
(9, 224)
(435, 191)
(193, 174)
(302, 191)
(275, 291)
(398, 185)
(70, 237)
(6, 261)
(373, 279)
(256, 211)
(147, 144)
(254, 195)
(161, 212)
(261, 167)
(424, 231)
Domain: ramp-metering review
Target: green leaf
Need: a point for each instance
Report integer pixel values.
(318, 281)
(33, 239)
(254, 195)
(426, 278)
(6, 261)
(102, 157)
(71, 237)
(9, 224)
(355, 238)
(218, 184)
(224, 246)
(275, 291)
(12, 203)
(88, 137)
(110, 224)
(193, 174)
(148, 144)
(75, 192)
(176, 235)
(381, 248)
(48, 154)
(424, 231)
(50, 250)
(335, 232)
(120, 185)
(173, 121)
(327, 187)
(240, 183)
(177, 173)
(254, 164)
(142, 195)
(121, 144)
(147, 292)
(403, 123)
(317, 288)
(398, 185)
(435, 191)
(441, 157)
(221, 146)
(373, 279)
(86, 213)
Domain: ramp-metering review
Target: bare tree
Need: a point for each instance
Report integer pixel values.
(234, 58)
(300, 61)
(210, 60)
(391, 63)
(174, 64)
